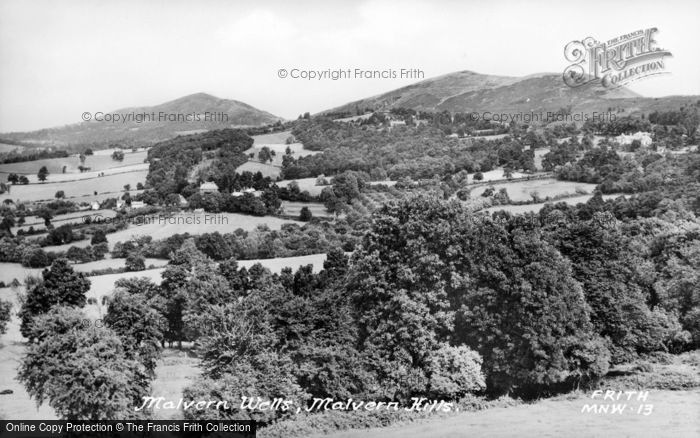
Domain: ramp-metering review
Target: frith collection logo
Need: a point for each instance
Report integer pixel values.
(615, 62)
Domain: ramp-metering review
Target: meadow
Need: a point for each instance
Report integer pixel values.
(254, 166)
(305, 184)
(276, 142)
(674, 413)
(160, 227)
(99, 161)
(534, 208)
(83, 188)
(294, 208)
(519, 191)
(74, 218)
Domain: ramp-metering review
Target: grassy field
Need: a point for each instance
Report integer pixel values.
(100, 161)
(305, 184)
(675, 414)
(70, 177)
(274, 138)
(10, 271)
(77, 217)
(256, 166)
(203, 223)
(294, 208)
(4, 147)
(186, 222)
(280, 150)
(494, 175)
(533, 208)
(175, 370)
(523, 190)
(75, 189)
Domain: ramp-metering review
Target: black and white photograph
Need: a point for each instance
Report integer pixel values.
(349, 219)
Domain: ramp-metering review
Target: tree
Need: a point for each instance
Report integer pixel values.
(98, 237)
(46, 215)
(508, 172)
(139, 326)
(60, 194)
(118, 155)
(80, 370)
(6, 224)
(478, 176)
(305, 215)
(265, 154)
(61, 286)
(429, 273)
(43, 173)
(604, 264)
(127, 187)
(178, 282)
(135, 262)
(13, 178)
(5, 315)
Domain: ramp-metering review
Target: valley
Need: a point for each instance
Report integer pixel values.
(334, 236)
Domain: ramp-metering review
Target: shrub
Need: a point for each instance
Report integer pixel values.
(135, 262)
(98, 237)
(454, 372)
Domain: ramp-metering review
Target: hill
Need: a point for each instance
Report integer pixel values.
(194, 113)
(467, 91)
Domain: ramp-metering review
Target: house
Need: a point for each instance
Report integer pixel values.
(198, 211)
(120, 204)
(182, 201)
(244, 192)
(208, 187)
(137, 204)
(95, 205)
(643, 137)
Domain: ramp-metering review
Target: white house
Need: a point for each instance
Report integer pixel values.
(95, 205)
(643, 137)
(137, 204)
(208, 187)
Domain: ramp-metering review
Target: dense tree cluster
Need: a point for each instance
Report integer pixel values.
(418, 152)
(171, 161)
(262, 243)
(86, 370)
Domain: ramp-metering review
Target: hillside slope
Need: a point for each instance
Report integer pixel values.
(179, 116)
(467, 91)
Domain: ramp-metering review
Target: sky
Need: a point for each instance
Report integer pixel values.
(59, 59)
